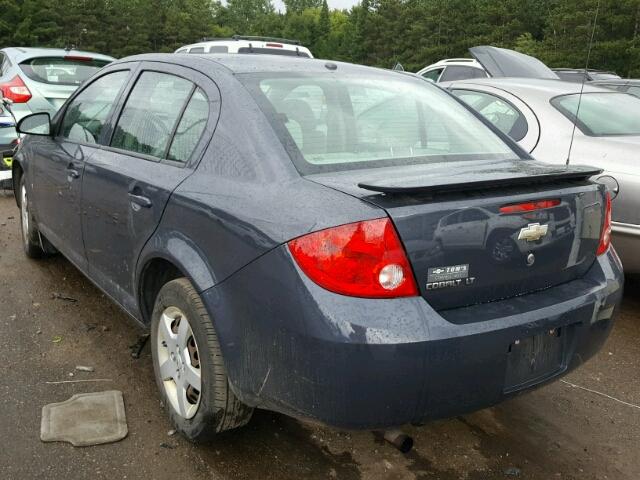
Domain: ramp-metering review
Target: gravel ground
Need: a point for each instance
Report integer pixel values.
(558, 432)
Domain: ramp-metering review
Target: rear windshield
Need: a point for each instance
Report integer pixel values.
(575, 77)
(602, 114)
(61, 70)
(334, 122)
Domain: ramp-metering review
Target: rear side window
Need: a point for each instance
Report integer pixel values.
(68, 70)
(218, 49)
(190, 128)
(601, 114)
(506, 117)
(151, 112)
(455, 72)
(88, 111)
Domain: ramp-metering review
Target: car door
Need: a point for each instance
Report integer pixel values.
(157, 138)
(58, 162)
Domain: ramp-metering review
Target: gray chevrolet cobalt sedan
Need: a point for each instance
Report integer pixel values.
(335, 242)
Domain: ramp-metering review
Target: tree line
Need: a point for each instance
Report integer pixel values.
(374, 32)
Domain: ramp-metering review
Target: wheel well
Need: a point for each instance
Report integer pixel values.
(155, 274)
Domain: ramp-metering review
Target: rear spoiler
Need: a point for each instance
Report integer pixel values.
(491, 180)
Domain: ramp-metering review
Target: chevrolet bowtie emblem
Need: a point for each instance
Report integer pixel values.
(533, 232)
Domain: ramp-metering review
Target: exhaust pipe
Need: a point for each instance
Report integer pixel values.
(400, 440)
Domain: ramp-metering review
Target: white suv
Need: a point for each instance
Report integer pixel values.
(239, 44)
(453, 69)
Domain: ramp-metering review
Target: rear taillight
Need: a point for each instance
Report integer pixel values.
(362, 259)
(15, 90)
(529, 206)
(605, 236)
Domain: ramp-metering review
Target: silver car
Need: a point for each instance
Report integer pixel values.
(539, 115)
(41, 79)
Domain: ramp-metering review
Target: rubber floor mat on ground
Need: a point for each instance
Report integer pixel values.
(85, 419)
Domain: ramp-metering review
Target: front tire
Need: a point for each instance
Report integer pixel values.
(30, 235)
(188, 365)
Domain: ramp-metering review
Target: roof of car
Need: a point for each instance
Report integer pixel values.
(244, 63)
(542, 86)
(22, 53)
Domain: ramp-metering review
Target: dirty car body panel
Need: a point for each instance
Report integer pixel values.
(520, 298)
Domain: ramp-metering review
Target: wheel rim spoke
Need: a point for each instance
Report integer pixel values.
(192, 376)
(184, 332)
(167, 370)
(182, 400)
(165, 331)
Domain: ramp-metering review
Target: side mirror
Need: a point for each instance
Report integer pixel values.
(35, 124)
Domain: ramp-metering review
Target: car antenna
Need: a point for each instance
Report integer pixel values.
(584, 79)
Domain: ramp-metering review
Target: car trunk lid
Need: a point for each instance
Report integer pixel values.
(502, 62)
(472, 230)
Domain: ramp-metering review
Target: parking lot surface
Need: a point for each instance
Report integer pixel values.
(52, 319)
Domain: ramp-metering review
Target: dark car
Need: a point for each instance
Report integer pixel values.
(274, 221)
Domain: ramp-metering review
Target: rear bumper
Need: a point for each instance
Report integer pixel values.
(293, 347)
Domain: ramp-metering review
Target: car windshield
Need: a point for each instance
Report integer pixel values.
(332, 122)
(602, 114)
(62, 70)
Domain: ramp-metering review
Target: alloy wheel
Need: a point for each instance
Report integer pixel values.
(179, 362)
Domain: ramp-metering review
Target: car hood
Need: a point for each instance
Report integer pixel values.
(501, 62)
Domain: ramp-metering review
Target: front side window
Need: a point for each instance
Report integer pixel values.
(88, 112)
(330, 122)
(67, 70)
(197, 50)
(602, 114)
(507, 118)
(151, 112)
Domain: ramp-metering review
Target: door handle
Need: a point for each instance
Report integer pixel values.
(72, 172)
(140, 200)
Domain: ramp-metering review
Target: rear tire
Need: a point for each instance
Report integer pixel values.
(184, 355)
